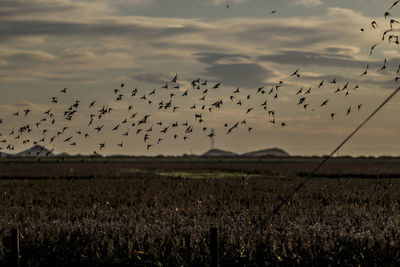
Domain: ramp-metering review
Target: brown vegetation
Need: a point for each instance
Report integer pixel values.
(147, 219)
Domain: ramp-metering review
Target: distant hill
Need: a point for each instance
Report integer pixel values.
(269, 152)
(64, 155)
(35, 151)
(274, 152)
(218, 153)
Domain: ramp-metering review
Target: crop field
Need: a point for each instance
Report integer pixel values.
(159, 211)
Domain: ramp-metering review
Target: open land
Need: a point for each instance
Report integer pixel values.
(159, 211)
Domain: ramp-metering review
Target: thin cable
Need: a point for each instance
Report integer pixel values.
(300, 185)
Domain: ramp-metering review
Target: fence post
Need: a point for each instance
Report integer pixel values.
(214, 247)
(15, 247)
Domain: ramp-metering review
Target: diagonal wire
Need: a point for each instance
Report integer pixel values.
(300, 185)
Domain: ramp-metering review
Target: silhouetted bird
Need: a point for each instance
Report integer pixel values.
(324, 103)
(373, 47)
(296, 73)
(348, 111)
(216, 86)
(391, 23)
(175, 78)
(395, 3)
(365, 71)
(384, 66)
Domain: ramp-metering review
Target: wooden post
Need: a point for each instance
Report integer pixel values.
(214, 247)
(15, 247)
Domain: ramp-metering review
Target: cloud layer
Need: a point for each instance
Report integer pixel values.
(92, 47)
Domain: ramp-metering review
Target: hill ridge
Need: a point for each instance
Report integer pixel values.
(274, 152)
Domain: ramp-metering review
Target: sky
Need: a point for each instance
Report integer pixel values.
(92, 47)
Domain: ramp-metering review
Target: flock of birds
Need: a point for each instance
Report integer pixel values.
(144, 111)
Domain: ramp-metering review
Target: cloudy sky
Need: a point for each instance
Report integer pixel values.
(91, 47)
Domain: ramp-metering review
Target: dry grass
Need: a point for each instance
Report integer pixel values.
(155, 220)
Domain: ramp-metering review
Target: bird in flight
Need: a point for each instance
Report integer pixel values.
(394, 4)
(348, 111)
(175, 78)
(324, 103)
(321, 83)
(372, 48)
(296, 73)
(391, 37)
(216, 86)
(391, 23)
(365, 71)
(249, 110)
(384, 34)
(102, 145)
(384, 65)
(301, 100)
(300, 91)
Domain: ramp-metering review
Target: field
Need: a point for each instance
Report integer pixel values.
(159, 211)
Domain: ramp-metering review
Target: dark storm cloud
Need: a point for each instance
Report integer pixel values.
(210, 58)
(292, 36)
(152, 78)
(271, 28)
(239, 74)
(302, 58)
(336, 50)
(22, 7)
(245, 74)
(66, 78)
(194, 46)
(28, 57)
(17, 28)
